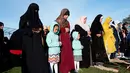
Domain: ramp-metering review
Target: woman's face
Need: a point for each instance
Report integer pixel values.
(1, 27)
(78, 36)
(126, 25)
(101, 19)
(55, 30)
(85, 20)
(66, 16)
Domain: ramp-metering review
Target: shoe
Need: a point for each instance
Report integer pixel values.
(76, 71)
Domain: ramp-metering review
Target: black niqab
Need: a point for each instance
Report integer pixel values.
(31, 17)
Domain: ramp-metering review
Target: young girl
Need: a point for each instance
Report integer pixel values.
(77, 49)
(54, 47)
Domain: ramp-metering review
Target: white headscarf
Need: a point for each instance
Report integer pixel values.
(80, 22)
(116, 23)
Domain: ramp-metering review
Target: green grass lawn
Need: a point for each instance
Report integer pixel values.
(88, 70)
(14, 70)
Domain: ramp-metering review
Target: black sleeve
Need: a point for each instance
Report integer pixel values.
(71, 38)
(96, 30)
(23, 22)
(15, 42)
(81, 30)
(121, 36)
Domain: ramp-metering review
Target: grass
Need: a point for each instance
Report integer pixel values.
(84, 70)
(93, 70)
(14, 70)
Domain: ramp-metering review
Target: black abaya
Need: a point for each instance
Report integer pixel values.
(85, 41)
(98, 48)
(33, 53)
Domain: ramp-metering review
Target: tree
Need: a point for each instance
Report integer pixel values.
(127, 19)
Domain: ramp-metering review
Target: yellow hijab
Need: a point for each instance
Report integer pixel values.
(106, 24)
(108, 36)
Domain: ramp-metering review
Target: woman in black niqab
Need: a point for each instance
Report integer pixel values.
(98, 48)
(31, 17)
(32, 41)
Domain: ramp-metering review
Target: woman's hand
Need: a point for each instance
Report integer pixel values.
(60, 43)
(89, 33)
(82, 46)
(98, 35)
(67, 29)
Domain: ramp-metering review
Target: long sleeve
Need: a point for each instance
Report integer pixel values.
(62, 29)
(49, 40)
(15, 43)
(76, 45)
(81, 30)
(97, 29)
(69, 25)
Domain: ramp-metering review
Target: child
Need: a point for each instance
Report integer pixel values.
(54, 47)
(77, 49)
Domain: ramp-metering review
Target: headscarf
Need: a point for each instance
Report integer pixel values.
(106, 24)
(52, 28)
(115, 23)
(75, 35)
(96, 25)
(81, 23)
(1, 24)
(119, 26)
(31, 17)
(124, 27)
(60, 20)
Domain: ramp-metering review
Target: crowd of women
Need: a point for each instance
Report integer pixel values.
(59, 50)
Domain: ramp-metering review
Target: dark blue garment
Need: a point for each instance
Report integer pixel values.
(128, 36)
(115, 33)
(127, 53)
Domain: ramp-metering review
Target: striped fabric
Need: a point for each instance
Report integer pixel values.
(54, 58)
